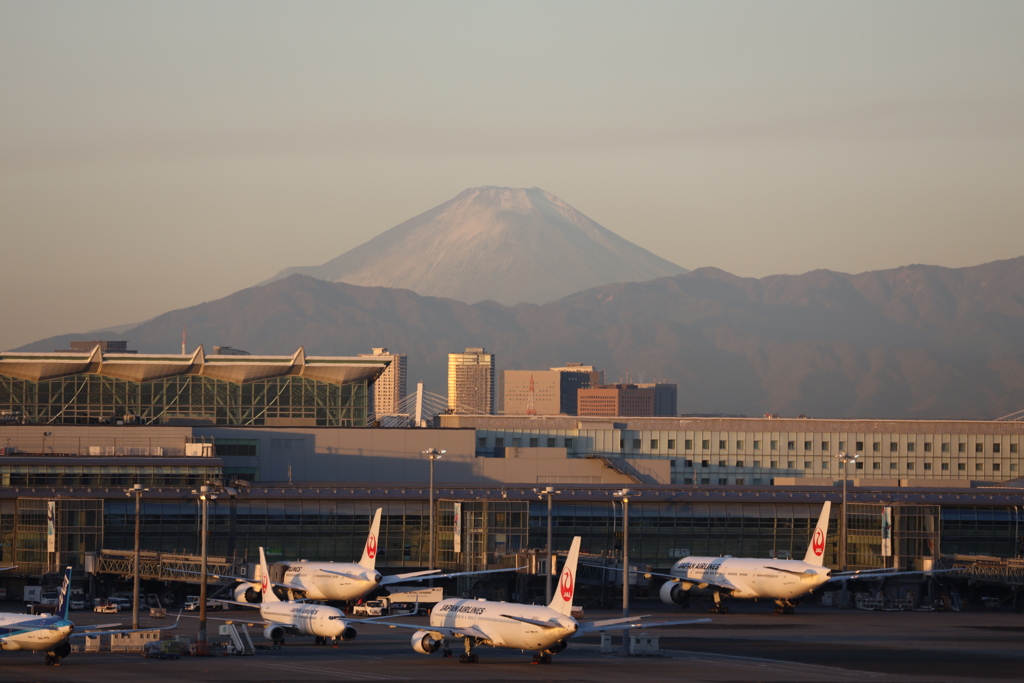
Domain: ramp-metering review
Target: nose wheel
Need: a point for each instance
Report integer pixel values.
(542, 658)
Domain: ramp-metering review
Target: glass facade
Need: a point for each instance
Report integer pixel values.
(96, 399)
(62, 474)
(78, 528)
(318, 525)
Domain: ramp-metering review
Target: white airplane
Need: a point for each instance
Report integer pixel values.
(784, 581)
(342, 581)
(50, 633)
(282, 618)
(544, 630)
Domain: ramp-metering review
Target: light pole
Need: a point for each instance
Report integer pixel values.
(548, 491)
(625, 495)
(433, 454)
(845, 460)
(202, 646)
(137, 492)
(45, 434)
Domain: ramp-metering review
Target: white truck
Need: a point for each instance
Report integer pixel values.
(400, 599)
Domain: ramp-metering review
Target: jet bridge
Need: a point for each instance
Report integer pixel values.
(167, 566)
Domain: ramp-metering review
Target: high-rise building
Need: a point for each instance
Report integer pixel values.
(389, 389)
(616, 400)
(531, 392)
(471, 382)
(546, 392)
(664, 398)
(576, 376)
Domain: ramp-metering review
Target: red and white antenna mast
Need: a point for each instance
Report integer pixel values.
(183, 352)
(531, 407)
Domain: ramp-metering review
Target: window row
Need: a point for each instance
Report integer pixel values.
(827, 464)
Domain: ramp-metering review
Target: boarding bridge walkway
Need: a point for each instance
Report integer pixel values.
(984, 569)
(167, 566)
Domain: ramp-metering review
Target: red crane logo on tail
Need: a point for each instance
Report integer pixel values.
(371, 546)
(265, 585)
(566, 585)
(818, 542)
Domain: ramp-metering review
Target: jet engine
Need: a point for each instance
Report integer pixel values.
(673, 593)
(246, 592)
(274, 633)
(63, 649)
(557, 647)
(424, 642)
(348, 634)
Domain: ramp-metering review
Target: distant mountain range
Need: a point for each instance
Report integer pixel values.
(494, 243)
(912, 342)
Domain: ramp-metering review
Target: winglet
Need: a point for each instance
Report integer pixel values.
(268, 589)
(561, 601)
(816, 549)
(65, 595)
(369, 559)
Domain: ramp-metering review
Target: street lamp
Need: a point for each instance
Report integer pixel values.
(845, 460)
(625, 495)
(548, 491)
(137, 492)
(205, 496)
(433, 454)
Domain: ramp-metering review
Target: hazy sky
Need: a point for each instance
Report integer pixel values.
(154, 155)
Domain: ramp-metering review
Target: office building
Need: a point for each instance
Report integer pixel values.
(471, 382)
(387, 392)
(616, 400)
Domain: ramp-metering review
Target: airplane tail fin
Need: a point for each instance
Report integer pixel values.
(64, 602)
(369, 559)
(816, 550)
(268, 588)
(561, 601)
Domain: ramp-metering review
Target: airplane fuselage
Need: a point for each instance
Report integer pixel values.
(30, 632)
(318, 584)
(303, 619)
(753, 578)
(493, 620)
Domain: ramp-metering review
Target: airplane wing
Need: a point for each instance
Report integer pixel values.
(535, 622)
(884, 573)
(243, 579)
(803, 575)
(630, 622)
(432, 574)
(236, 620)
(473, 631)
(337, 573)
(82, 634)
(3, 569)
(699, 583)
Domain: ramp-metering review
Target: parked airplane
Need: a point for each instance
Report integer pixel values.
(282, 618)
(784, 581)
(50, 633)
(544, 630)
(342, 581)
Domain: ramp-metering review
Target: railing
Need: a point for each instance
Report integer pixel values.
(167, 566)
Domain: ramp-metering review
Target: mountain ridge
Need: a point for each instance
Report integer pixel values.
(914, 342)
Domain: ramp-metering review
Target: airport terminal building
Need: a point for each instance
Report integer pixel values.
(284, 438)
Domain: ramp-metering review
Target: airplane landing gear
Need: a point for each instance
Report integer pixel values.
(784, 607)
(52, 659)
(719, 607)
(542, 658)
(468, 657)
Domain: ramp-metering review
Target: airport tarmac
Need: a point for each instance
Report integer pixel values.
(749, 644)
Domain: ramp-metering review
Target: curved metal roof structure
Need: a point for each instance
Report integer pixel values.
(132, 367)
